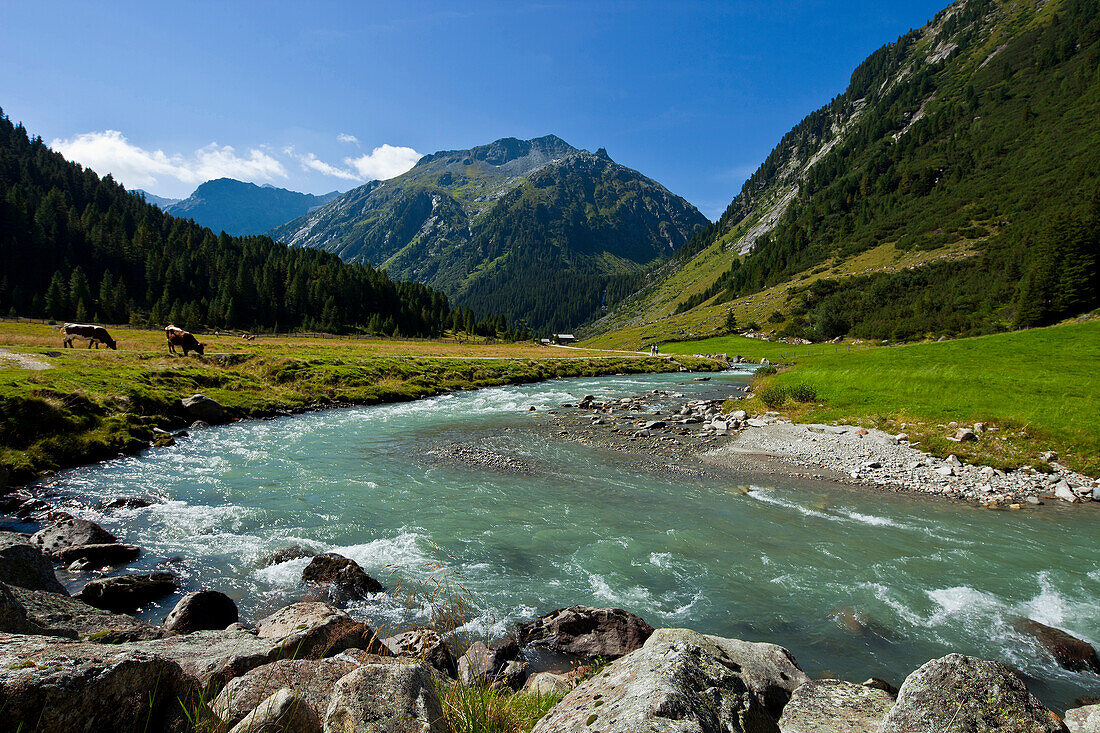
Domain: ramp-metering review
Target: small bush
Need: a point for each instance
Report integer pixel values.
(773, 396)
(765, 371)
(802, 393)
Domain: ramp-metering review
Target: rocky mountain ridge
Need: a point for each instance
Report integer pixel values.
(240, 208)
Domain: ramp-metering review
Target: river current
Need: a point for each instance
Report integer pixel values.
(763, 560)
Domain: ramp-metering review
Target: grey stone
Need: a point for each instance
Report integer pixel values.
(1065, 493)
(511, 677)
(281, 712)
(204, 609)
(1068, 651)
(965, 435)
(426, 644)
(588, 632)
(98, 556)
(341, 577)
(60, 615)
(835, 706)
(682, 681)
(1084, 719)
(128, 592)
(13, 616)
(25, 565)
(480, 664)
(547, 683)
(286, 554)
(201, 408)
(969, 694)
(394, 698)
(313, 630)
(68, 532)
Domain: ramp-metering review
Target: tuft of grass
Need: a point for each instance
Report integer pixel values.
(481, 710)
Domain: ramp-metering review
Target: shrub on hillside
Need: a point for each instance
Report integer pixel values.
(802, 393)
(773, 397)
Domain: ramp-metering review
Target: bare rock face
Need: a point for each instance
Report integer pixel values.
(13, 616)
(684, 682)
(589, 632)
(58, 615)
(204, 609)
(70, 532)
(126, 593)
(311, 630)
(281, 712)
(49, 685)
(1084, 719)
(1070, 652)
(835, 706)
(395, 698)
(341, 577)
(968, 694)
(24, 564)
(425, 644)
(311, 679)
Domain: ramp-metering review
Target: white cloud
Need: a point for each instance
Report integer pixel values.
(384, 162)
(343, 137)
(310, 161)
(110, 152)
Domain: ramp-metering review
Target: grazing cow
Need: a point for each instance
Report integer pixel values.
(95, 334)
(178, 337)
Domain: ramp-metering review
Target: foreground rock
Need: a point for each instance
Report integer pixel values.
(1070, 652)
(283, 711)
(201, 407)
(427, 645)
(286, 554)
(835, 706)
(588, 632)
(342, 577)
(202, 610)
(313, 630)
(23, 564)
(685, 682)
(59, 615)
(395, 698)
(127, 593)
(1084, 720)
(481, 665)
(967, 694)
(548, 683)
(70, 532)
(99, 556)
(13, 616)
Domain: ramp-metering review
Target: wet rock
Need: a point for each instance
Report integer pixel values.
(427, 645)
(286, 554)
(589, 632)
(13, 616)
(51, 685)
(968, 694)
(126, 593)
(127, 502)
(311, 679)
(835, 706)
(100, 556)
(1084, 719)
(1070, 652)
(547, 683)
(396, 698)
(25, 565)
(481, 664)
(69, 532)
(312, 630)
(281, 712)
(686, 682)
(204, 609)
(343, 576)
(202, 408)
(60, 615)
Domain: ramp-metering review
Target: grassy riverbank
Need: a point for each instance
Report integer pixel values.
(61, 407)
(1040, 387)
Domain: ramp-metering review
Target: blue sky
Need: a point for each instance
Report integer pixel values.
(323, 95)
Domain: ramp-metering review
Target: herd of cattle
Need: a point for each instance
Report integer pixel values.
(97, 335)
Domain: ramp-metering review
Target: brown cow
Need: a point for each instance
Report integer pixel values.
(95, 334)
(178, 337)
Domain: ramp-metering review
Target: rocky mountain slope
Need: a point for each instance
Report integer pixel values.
(951, 189)
(241, 208)
(537, 230)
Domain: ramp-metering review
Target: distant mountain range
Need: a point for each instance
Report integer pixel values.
(536, 230)
(152, 198)
(240, 208)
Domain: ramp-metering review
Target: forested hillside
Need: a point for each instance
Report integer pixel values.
(77, 246)
(972, 144)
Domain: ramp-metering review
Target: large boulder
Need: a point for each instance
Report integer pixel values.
(49, 685)
(202, 610)
(395, 698)
(587, 632)
(426, 644)
(480, 665)
(125, 593)
(60, 615)
(24, 565)
(212, 658)
(967, 694)
(110, 555)
(311, 630)
(201, 407)
(341, 577)
(684, 682)
(835, 706)
(1084, 719)
(281, 712)
(70, 532)
(1070, 652)
(311, 679)
(13, 616)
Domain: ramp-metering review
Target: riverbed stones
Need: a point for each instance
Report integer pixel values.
(59, 615)
(201, 407)
(587, 632)
(427, 645)
(835, 706)
(1068, 651)
(69, 532)
(1084, 719)
(204, 609)
(25, 565)
(395, 698)
(958, 692)
(682, 681)
(110, 555)
(127, 593)
(1063, 491)
(341, 577)
(312, 630)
